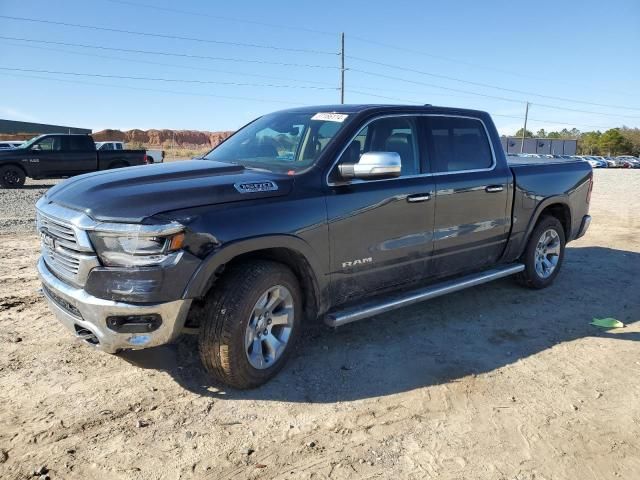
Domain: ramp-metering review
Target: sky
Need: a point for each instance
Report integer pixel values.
(206, 65)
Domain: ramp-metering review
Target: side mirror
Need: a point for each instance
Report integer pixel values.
(373, 165)
(36, 147)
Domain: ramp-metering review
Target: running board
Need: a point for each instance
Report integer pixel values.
(369, 309)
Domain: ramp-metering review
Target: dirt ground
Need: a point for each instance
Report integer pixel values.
(496, 382)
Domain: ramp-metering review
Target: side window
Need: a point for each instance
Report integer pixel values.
(459, 144)
(394, 134)
(49, 144)
(78, 143)
(118, 146)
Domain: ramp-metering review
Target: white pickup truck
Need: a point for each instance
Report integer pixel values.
(154, 156)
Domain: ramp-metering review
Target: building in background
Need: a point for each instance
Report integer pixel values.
(14, 130)
(548, 146)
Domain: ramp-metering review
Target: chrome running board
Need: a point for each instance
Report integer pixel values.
(393, 301)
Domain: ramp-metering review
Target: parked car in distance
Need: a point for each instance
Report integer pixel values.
(155, 156)
(9, 144)
(627, 161)
(594, 162)
(60, 155)
(335, 212)
(109, 145)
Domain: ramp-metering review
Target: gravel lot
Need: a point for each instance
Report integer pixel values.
(496, 382)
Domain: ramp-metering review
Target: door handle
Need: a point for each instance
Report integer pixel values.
(419, 197)
(494, 188)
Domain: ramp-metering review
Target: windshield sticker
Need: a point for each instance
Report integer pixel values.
(330, 117)
(256, 187)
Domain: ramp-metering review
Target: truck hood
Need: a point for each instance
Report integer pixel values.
(135, 193)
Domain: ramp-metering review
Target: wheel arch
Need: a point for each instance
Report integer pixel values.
(17, 165)
(557, 207)
(288, 250)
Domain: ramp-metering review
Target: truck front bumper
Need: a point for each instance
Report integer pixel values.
(86, 316)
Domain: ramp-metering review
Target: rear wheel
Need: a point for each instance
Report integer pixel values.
(12, 176)
(544, 254)
(251, 323)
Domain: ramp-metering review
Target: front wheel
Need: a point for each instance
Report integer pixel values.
(544, 254)
(12, 177)
(251, 322)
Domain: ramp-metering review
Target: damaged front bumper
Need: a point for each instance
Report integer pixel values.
(92, 319)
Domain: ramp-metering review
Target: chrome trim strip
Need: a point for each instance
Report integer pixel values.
(357, 181)
(343, 317)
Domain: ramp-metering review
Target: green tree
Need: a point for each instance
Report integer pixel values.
(528, 134)
(589, 143)
(554, 135)
(633, 136)
(541, 133)
(612, 142)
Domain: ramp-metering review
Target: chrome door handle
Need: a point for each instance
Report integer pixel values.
(420, 197)
(494, 188)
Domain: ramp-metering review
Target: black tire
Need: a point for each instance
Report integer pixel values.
(227, 312)
(12, 176)
(530, 277)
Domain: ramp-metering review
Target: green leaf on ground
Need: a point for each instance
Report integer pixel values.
(607, 323)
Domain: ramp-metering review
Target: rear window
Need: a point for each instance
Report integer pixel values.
(79, 143)
(459, 144)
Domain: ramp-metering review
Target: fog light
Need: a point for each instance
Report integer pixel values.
(135, 323)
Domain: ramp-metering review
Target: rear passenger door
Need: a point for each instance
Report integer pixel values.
(472, 220)
(380, 230)
(80, 155)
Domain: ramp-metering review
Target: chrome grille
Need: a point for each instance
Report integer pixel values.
(57, 228)
(64, 246)
(61, 258)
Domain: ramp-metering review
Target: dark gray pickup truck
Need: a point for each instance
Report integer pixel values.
(333, 212)
(59, 155)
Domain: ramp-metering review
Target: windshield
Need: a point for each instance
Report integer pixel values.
(283, 142)
(30, 142)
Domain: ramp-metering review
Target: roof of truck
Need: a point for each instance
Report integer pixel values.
(358, 108)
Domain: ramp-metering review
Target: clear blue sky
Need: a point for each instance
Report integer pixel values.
(577, 50)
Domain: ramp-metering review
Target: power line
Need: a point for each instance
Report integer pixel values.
(174, 65)
(495, 97)
(220, 17)
(551, 121)
(168, 54)
(155, 90)
(404, 100)
(463, 62)
(171, 37)
(160, 79)
(486, 85)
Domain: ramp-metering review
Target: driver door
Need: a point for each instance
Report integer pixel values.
(47, 154)
(380, 231)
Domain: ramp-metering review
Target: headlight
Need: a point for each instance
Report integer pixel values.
(129, 245)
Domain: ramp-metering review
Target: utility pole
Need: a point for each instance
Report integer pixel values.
(342, 68)
(524, 130)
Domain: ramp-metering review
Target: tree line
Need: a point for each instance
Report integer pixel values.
(615, 141)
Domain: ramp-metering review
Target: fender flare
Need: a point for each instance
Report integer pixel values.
(201, 280)
(556, 199)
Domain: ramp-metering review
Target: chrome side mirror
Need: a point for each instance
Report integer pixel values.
(373, 165)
